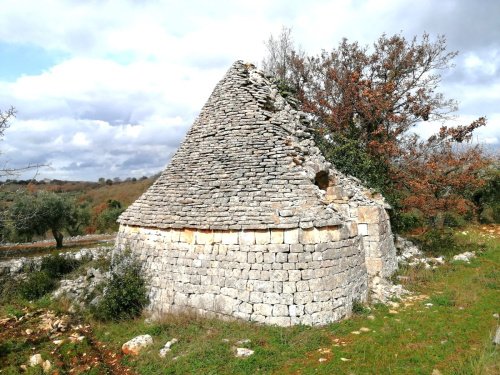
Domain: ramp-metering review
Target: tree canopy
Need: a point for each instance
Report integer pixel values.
(365, 101)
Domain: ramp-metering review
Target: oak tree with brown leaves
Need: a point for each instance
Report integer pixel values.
(364, 103)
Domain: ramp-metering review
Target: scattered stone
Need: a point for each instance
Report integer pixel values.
(29, 331)
(134, 346)
(344, 359)
(465, 257)
(436, 372)
(393, 312)
(35, 360)
(405, 249)
(429, 304)
(371, 317)
(58, 342)
(365, 329)
(496, 316)
(356, 332)
(384, 290)
(393, 304)
(496, 339)
(170, 343)
(322, 360)
(75, 337)
(167, 347)
(243, 352)
(23, 368)
(47, 366)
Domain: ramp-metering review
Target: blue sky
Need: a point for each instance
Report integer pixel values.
(109, 88)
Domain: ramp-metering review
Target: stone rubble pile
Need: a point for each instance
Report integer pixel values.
(19, 266)
(78, 290)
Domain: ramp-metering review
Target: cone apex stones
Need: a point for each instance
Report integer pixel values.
(250, 221)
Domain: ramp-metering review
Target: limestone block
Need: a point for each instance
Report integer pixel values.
(294, 275)
(187, 236)
(353, 228)
(225, 305)
(269, 257)
(375, 230)
(278, 321)
(302, 285)
(244, 295)
(281, 257)
(308, 274)
(291, 236)
(278, 286)
(257, 318)
(296, 248)
(302, 298)
(373, 265)
(246, 308)
(175, 235)
(279, 275)
(363, 229)
(247, 237)
(325, 295)
(230, 238)
(262, 286)
(262, 237)
(280, 310)
(202, 301)
(369, 214)
(256, 297)
(263, 309)
(289, 287)
(283, 248)
(271, 298)
(277, 236)
(254, 274)
(309, 236)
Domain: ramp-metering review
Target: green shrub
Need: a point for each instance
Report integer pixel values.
(454, 220)
(37, 285)
(57, 265)
(125, 293)
(406, 221)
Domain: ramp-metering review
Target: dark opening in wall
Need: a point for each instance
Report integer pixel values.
(321, 180)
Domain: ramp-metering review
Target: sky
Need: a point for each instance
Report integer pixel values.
(110, 88)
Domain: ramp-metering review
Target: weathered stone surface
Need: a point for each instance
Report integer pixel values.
(134, 346)
(235, 226)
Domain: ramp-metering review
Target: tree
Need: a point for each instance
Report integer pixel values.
(38, 213)
(364, 103)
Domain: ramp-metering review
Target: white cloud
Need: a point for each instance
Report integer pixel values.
(136, 73)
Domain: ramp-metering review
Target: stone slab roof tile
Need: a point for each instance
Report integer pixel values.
(247, 162)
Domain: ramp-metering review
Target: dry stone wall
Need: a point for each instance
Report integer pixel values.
(283, 277)
(249, 220)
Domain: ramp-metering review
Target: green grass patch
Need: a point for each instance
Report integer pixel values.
(448, 328)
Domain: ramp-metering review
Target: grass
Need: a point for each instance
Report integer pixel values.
(447, 326)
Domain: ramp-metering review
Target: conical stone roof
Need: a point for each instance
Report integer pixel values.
(247, 162)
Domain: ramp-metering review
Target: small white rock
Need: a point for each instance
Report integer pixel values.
(496, 339)
(47, 366)
(138, 343)
(243, 352)
(163, 352)
(35, 360)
